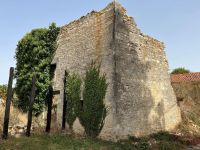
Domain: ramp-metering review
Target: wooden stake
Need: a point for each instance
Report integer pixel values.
(64, 103)
(32, 98)
(8, 102)
(49, 100)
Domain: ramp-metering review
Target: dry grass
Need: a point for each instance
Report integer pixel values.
(19, 118)
(16, 116)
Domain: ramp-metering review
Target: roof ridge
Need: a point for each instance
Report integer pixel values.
(185, 73)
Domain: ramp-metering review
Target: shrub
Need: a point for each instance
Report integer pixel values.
(180, 70)
(94, 111)
(163, 136)
(167, 145)
(34, 54)
(143, 146)
(73, 90)
(3, 91)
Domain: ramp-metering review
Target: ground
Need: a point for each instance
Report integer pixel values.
(160, 141)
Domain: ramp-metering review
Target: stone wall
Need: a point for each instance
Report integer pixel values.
(145, 99)
(78, 44)
(139, 96)
(188, 96)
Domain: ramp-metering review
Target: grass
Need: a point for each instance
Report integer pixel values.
(50, 142)
(166, 141)
(60, 142)
(159, 141)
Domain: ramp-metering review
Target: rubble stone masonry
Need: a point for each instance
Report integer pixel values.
(140, 98)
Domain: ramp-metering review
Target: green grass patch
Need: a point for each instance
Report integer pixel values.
(159, 141)
(60, 142)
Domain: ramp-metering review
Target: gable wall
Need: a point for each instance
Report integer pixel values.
(139, 96)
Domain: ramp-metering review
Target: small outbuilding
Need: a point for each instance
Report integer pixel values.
(187, 90)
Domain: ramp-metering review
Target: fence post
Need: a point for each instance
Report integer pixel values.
(49, 101)
(8, 102)
(32, 98)
(64, 102)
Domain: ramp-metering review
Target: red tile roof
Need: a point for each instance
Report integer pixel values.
(187, 77)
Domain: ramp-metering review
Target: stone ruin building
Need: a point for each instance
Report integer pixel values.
(140, 97)
(187, 90)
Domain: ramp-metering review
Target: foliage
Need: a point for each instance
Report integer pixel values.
(138, 143)
(162, 136)
(73, 91)
(180, 70)
(94, 111)
(3, 91)
(194, 117)
(34, 54)
(167, 141)
(172, 145)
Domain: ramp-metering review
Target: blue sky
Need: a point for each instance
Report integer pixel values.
(175, 22)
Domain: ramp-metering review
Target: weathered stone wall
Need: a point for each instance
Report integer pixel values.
(188, 96)
(81, 42)
(145, 101)
(140, 97)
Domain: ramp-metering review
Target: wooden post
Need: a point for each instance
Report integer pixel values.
(64, 103)
(32, 98)
(50, 98)
(8, 102)
(49, 101)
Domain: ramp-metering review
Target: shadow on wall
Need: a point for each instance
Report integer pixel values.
(137, 112)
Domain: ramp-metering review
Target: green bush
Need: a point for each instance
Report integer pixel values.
(94, 111)
(73, 91)
(163, 136)
(180, 70)
(34, 54)
(3, 91)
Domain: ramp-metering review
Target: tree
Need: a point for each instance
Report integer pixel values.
(3, 91)
(180, 70)
(94, 111)
(73, 92)
(34, 54)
